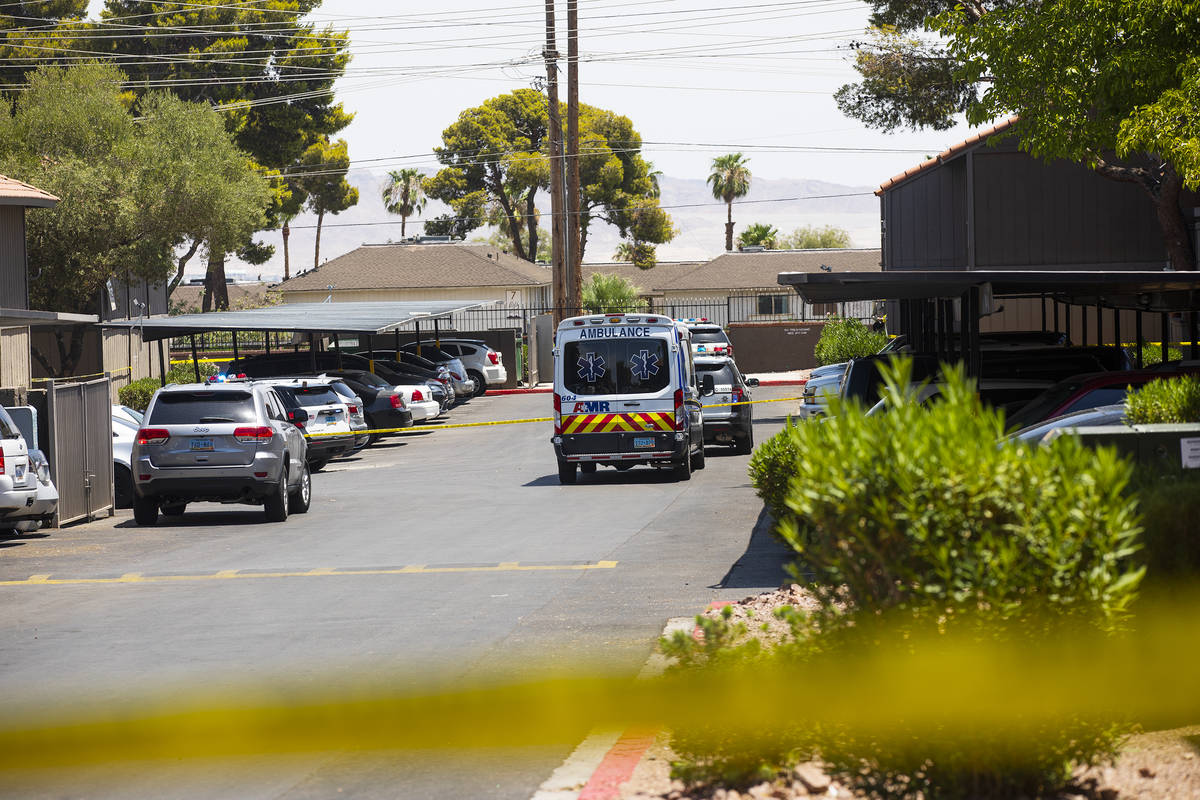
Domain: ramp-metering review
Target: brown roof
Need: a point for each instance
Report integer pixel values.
(941, 158)
(421, 266)
(650, 281)
(761, 270)
(18, 193)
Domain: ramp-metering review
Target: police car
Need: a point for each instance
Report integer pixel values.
(708, 338)
(625, 393)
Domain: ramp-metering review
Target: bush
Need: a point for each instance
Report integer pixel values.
(771, 469)
(1174, 400)
(918, 508)
(137, 394)
(843, 339)
(1152, 354)
(1170, 506)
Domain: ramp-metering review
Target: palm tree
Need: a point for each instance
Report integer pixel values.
(759, 233)
(730, 179)
(403, 194)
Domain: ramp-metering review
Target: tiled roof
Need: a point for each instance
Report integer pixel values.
(761, 270)
(941, 158)
(18, 193)
(650, 281)
(421, 266)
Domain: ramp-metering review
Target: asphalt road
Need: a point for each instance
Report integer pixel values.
(429, 539)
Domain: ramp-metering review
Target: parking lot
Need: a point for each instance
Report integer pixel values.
(454, 553)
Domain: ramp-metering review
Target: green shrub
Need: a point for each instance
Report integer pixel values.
(1174, 400)
(919, 508)
(843, 339)
(137, 394)
(771, 469)
(1170, 506)
(1152, 354)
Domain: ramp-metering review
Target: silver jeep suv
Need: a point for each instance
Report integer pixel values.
(220, 442)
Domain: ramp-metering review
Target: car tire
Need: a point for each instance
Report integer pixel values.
(683, 467)
(122, 486)
(318, 465)
(174, 510)
(566, 473)
(745, 444)
(301, 498)
(480, 383)
(145, 510)
(698, 459)
(588, 467)
(276, 505)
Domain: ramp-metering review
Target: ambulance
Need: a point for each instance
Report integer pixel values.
(626, 393)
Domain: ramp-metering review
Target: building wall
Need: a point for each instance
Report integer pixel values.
(1059, 215)
(924, 222)
(524, 296)
(14, 357)
(14, 280)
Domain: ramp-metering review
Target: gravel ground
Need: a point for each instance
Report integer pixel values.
(1160, 765)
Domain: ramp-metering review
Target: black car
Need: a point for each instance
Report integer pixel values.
(382, 405)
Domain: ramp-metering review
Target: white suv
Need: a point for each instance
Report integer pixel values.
(18, 483)
(484, 365)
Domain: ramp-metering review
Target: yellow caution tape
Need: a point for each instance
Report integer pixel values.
(83, 377)
(422, 428)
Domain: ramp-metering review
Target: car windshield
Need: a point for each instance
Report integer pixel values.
(704, 337)
(1045, 403)
(616, 366)
(344, 390)
(309, 396)
(185, 408)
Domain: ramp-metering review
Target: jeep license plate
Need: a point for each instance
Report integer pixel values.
(643, 442)
(202, 444)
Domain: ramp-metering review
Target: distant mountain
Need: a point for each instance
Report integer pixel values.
(785, 203)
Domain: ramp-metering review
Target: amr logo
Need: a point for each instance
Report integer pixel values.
(592, 407)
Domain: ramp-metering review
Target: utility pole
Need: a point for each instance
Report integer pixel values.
(557, 199)
(574, 205)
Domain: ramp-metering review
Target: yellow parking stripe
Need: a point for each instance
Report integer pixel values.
(322, 572)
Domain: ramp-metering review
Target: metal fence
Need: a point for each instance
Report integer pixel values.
(79, 420)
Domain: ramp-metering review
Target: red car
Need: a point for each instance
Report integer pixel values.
(1081, 392)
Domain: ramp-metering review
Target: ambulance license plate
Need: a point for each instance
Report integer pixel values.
(643, 442)
(202, 444)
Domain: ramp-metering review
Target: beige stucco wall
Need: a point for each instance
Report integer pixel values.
(524, 296)
(14, 357)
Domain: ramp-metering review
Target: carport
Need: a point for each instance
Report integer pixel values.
(316, 320)
(940, 310)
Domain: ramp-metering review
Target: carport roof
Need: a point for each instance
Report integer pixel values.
(361, 318)
(26, 318)
(1149, 291)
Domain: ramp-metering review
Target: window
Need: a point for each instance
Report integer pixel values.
(772, 304)
(188, 408)
(709, 336)
(616, 366)
(8, 428)
(723, 374)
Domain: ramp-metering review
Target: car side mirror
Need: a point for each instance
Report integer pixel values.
(298, 417)
(752, 382)
(707, 386)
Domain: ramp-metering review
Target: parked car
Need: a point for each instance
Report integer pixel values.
(420, 369)
(1081, 392)
(1101, 415)
(464, 385)
(708, 338)
(354, 405)
(814, 400)
(484, 365)
(327, 424)
(124, 433)
(220, 442)
(20, 508)
(999, 393)
(725, 423)
(43, 509)
(384, 406)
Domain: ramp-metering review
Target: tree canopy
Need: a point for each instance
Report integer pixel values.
(404, 194)
(495, 163)
(136, 181)
(325, 183)
(611, 293)
(730, 179)
(810, 237)
(759, 234)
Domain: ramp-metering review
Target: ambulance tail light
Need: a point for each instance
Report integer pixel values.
(557, 414)
(680, 414)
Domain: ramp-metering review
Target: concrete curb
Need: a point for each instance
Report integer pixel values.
(530, 390)
(796, 382)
